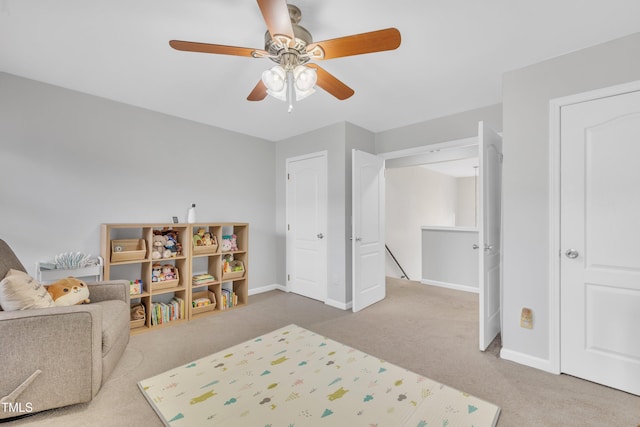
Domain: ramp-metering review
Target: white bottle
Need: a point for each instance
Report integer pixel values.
(191, 214)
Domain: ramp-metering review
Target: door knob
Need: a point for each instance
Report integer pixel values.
(475, 246)
(320, 236)
(488, 247)
(572, 253)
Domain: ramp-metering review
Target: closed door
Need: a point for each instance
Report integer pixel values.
(600, 241)
(307, 225)
(368, 245)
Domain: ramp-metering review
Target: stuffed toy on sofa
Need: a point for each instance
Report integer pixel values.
(69, 291)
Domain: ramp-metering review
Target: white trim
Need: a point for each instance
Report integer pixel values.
(443, 228)
(338, 304)
(448, 285)
(426, 149)
(268, 288)
(555, 107)
(527, 360)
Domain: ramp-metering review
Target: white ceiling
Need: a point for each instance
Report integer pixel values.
(451, 59)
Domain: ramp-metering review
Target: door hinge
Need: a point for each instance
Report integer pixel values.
(288, 177)
(501, 158)
(288, 277)
(288, 227)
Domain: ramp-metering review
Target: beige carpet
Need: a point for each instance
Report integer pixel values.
(430, 331)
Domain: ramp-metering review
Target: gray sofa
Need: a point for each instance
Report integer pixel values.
(58, 356)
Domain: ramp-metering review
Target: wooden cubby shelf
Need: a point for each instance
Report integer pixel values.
(202, 249)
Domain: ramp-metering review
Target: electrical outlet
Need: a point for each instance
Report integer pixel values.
(526, 318)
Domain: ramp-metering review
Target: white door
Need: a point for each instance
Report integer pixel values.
(489, 225)
(600, 241)
(368, 248)
(307, 225)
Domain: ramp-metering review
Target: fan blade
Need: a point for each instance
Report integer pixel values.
(331, 84)
(216, 48)
(357, 44)
(276, 16)
(258, 93)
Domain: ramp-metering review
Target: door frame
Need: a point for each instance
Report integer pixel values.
(325, 155)
(555, 108)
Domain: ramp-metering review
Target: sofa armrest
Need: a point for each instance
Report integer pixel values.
(109, 290)
(64, 343)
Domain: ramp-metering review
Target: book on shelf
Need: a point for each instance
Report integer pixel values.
(229, 297)
(202, 280)
(166, 312)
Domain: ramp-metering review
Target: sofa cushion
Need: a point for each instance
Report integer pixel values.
(115, 322)
(19, 291)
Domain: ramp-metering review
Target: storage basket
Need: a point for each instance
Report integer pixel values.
(234, 274)
(208, 249)
(166, 284)
(128, 250)
(204, 308)
(136, 323)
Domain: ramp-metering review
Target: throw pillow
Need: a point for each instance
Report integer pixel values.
(19, 291)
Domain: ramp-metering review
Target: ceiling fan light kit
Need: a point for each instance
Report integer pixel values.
(291, 47)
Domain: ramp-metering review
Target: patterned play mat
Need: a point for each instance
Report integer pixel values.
(293, 377)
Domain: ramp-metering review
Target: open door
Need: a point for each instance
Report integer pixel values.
(489, 232)
(368, 248)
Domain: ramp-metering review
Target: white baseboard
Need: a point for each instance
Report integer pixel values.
(448, 285)
(338, 304)
(275, 286)
(527, 360)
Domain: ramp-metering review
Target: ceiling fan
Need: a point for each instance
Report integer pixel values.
(292, 48)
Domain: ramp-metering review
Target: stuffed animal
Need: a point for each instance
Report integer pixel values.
(168, 272)
(226, 244)
(156, 270)
(197, 238)
(159, 250)
(137, 312)
(207, 239)
(171, 246)
(229, 243)
(69, 291)
(234, 242)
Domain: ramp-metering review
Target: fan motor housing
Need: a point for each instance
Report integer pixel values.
(302, 38)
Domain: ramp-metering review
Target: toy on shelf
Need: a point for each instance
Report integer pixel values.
(135, 287)
(166, 244)
(231, 269)
(159, 251)
(204, 242)
(229, 243)
(163, 273)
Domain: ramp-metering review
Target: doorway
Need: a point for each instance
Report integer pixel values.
(488, 147)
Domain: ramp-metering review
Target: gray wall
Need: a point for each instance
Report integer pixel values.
(442, 129)
(526, 96)
(338, 140)
(448, 257)
(332, 140)
(71, 161)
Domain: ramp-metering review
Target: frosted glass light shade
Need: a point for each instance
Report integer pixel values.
(305, 77)
(274, 79)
